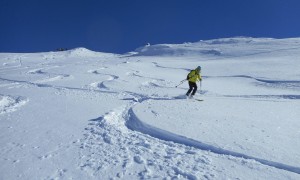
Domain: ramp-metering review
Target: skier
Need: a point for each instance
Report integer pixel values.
(193, 77)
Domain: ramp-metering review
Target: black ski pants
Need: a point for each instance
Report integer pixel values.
(193, 87)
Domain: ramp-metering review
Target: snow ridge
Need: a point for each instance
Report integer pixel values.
(135, 124)
(109, 137)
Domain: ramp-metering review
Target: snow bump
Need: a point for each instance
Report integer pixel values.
(10, 104)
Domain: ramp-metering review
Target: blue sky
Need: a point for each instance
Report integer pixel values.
(120, 26)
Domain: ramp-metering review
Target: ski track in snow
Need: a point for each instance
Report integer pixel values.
(101, 85)
(134, 144)
(109, 137)
(134, 140)
(120, 122)
(293, 85)
(164, 67)
(28, 83)
(135, 124)
(267, 82)
(49, 76)
(122, 129)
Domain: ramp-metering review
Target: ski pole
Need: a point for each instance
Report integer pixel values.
(180, 83)
(200, 86)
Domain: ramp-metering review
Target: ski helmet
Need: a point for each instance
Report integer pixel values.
(198, 68)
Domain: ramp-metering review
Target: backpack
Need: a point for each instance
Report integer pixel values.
(187, 77)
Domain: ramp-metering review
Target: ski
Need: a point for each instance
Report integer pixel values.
(196, 99)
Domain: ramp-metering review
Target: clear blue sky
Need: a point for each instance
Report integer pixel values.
(122, 25)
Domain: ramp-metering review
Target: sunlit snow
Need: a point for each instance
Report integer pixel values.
(81, 114)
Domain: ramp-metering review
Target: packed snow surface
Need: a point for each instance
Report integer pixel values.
(81, 114)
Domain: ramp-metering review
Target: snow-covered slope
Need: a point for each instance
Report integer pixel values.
(81, 114)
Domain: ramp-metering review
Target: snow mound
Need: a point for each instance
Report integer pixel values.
(10, 104)
(175, 50)
(216, 48)
(36, 71)
(84, 52)
(234, 40)
(81, 52)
